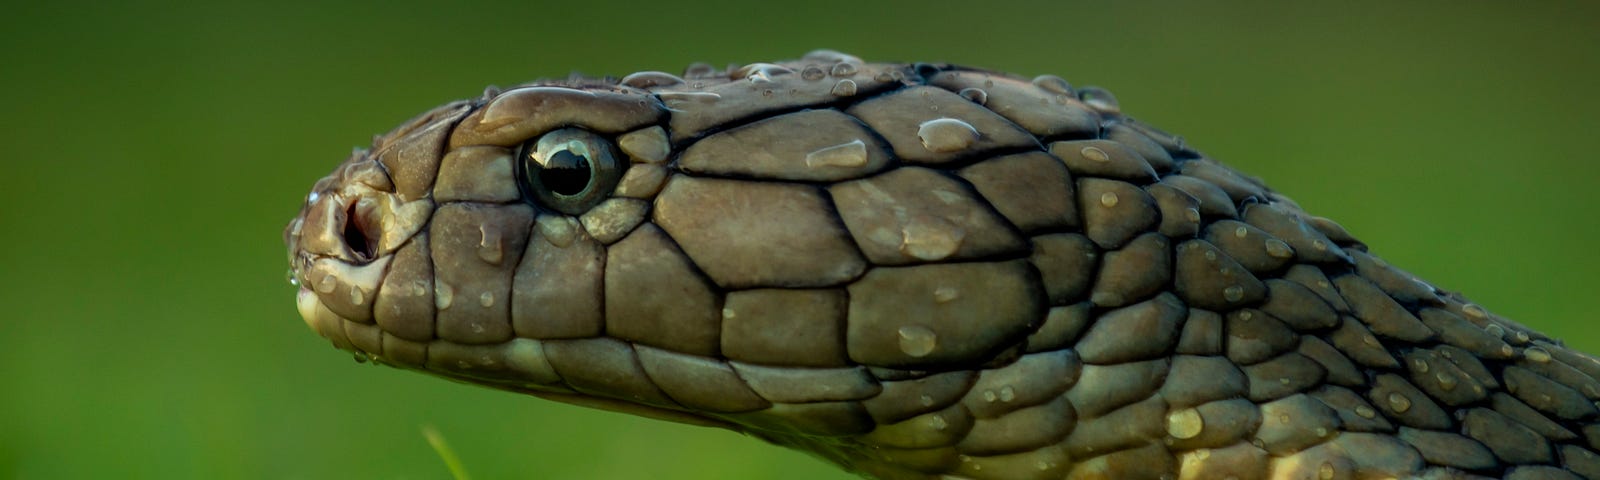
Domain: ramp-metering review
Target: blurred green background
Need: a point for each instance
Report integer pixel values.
(155, 151)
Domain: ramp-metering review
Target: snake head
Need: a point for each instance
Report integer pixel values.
(358, 219)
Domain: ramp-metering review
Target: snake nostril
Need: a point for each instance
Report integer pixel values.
(356, 235)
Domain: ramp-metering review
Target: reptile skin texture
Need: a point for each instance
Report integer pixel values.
(918, 271)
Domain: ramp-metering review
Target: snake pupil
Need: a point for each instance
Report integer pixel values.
(565, 173)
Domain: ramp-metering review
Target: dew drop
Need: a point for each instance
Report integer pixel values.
(1474, 311)
(419, 289)
(490, 245)
(1053, 84)
(989, 396)
(486, 299)
(945, 294)
(1536, 354)
(946, 135)
(938, 422)
(360, 357)
(975, 95)
(1521, 337)
(1211, 255)
(1233, 293)
(1321, 431)
(1109, 199)
(1420, 365)
(843, 69)
(930, 238)
(1095, 154)
(1319, 245)
(293, 279)
(917, 341)
(357, 297)
(845, 88)
(327, 284)
(678, 99)
(1446, 381)
(1365, 411)
(926, 400)
(812, 73)
(1185, 423)
(1325, 471)
(443, 295)
(852, 154)
(1241, 232)
(1278, 249)
(1007, 393)
(1399, 403)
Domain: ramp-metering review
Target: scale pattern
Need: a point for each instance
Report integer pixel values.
(925, 271)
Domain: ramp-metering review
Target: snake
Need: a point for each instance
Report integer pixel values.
(918, 271)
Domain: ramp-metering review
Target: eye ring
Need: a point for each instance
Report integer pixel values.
(568, 170)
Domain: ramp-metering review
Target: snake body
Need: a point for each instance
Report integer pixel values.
(918, 271)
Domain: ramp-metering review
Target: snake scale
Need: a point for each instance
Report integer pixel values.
(918, 271)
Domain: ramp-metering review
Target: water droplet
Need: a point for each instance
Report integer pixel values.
(678, 99)
(443, 295)
(1446, 381)
(1322, 431)
(419, 289)
(843, 69)
(930, 238)
(926, 400)
(852, 154)
(1278, 249)
(845, 88)
(1233, 293)
(938, 422)
(917, 341)
(1399, 403)
(1185, 423)
(945, 294)
(1365, 411)
(812, 73)
(1420, 365)
(1109, 199)
(1474, 311)
(327, 284)
(1007, 393)
(1537, 354)
(359, 357)
(989, 396)
(1319, 245)
(1325, 471)
(946, 135)
(1521, 337)
(1211, 255)
(1101, 100)
(357, 297)
(489, 247)
(975, 95)
(1496, 330)
(1094, 154)
(1241, 232)
(1192, 215)
(486, 299)
(293, 279)
(1053, 84)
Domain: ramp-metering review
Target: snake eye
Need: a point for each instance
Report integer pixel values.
(568, 170)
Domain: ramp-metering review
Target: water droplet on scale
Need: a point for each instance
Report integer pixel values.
(845, 88)
(852, 154)
(946, 135)
(1399, 403)
(487, 299)
(930, 238)
(1185, 423)
(1095, 154)
(1233, 293)
(812, 73)
(975, 95)
(327, 284)
(443, 295)
(917, 341)
(1109, 199)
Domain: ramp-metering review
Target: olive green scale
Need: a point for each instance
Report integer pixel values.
(918, 271)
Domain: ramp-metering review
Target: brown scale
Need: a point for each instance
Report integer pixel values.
(917, 272)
